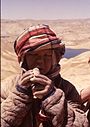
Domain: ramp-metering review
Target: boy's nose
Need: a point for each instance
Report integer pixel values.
(40, 59)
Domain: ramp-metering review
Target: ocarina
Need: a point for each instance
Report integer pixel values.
(36, 86)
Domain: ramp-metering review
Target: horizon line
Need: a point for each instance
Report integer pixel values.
(45, 19)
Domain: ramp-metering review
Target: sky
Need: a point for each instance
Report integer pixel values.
(45, 9)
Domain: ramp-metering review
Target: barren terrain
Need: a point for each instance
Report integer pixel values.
(75, 34)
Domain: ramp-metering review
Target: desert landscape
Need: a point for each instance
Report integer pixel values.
(74, 33)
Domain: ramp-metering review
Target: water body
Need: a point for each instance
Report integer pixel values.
(69, 53)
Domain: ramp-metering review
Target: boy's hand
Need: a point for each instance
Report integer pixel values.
(43, 81)
(32, 78)
(85, 94)
(25, 77)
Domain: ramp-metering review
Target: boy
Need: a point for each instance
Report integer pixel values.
(40, 95)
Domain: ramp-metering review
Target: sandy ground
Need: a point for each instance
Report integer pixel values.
(75, 34)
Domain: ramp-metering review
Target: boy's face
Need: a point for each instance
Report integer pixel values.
(40, 59)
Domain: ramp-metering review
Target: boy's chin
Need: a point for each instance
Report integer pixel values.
(44, 72)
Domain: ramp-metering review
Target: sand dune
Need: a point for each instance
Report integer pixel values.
(77, 70)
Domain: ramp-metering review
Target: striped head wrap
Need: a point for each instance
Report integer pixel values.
(37, 38)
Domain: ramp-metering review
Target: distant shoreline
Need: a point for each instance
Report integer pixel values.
(74, 52)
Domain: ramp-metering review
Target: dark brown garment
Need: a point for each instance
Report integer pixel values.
(68, 113)
(88, 114)
(62, 107)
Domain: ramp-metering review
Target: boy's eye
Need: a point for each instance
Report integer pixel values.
(33, 55)
(48, 55)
